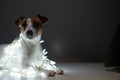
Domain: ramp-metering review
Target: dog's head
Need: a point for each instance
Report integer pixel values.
(32, 26)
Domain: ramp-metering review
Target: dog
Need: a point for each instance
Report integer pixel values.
(25, 53)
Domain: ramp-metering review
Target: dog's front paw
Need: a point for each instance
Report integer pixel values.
(60, 72)
(51, 73)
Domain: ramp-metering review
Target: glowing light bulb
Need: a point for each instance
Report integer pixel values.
(41, 41)
(14, 69)
(43, 75)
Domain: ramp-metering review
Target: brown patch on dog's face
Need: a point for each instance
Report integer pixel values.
(21, 22)
(35, 23)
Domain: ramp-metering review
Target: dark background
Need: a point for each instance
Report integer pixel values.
(77, 30)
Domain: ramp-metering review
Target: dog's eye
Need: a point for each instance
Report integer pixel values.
(36, 24)
(24, 25)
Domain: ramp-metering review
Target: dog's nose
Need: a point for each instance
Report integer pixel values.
(29, 32)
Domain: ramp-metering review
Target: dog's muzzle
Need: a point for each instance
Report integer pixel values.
(29, 34)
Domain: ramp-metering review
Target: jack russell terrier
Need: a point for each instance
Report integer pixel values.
(25, 53)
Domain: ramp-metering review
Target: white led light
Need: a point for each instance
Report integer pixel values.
(14, 74)
(14, 69)
(1, 73)
(29, 71)
(43, 75)
(44, 50)
(41, 41)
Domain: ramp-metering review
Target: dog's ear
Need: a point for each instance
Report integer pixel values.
(18, 20)
(43, 19)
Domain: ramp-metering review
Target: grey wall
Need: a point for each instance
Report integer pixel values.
(78, 29)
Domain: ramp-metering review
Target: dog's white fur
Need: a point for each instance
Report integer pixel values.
(25, 53)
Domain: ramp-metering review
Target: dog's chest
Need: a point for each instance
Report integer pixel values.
(32, 51)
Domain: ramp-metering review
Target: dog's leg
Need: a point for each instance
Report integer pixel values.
(60, 72)
(49, 73)
(51, 68)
